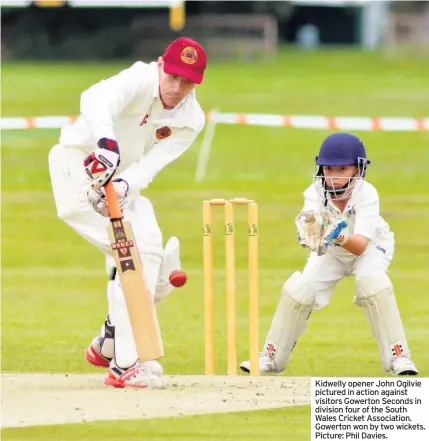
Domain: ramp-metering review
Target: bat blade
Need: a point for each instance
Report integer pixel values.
(140, 305)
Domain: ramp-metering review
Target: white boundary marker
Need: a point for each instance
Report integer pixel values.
(387, 124)
(37, 122)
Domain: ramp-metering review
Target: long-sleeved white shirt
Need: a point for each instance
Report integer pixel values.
(362, 210)
(128, 109)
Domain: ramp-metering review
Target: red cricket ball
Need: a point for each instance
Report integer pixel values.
(178, 278)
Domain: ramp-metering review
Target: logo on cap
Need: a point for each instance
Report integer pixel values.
(189, 55)
(163, 132)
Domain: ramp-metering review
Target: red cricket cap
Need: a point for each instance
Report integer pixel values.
(185, 57)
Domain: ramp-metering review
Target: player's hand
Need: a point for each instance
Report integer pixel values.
(310, 226)
(101, 164)
(97, 197)
(336, 233)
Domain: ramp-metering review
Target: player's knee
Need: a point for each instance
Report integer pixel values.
(69, 215)
(65, 214)
(300, 289)
(372, 284)
(320, 303)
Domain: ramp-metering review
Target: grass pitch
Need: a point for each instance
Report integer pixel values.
(53, 282)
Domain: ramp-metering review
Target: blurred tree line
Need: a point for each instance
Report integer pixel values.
(106, 33)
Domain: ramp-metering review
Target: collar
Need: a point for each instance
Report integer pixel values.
(350, 203)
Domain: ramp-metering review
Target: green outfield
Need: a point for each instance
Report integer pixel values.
(53, 282)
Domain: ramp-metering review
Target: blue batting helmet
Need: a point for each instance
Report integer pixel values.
(342, 149)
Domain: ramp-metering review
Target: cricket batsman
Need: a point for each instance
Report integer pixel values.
(341, 225)
(130, 127)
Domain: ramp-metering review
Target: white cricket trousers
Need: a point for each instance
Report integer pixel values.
(326, 271)
(70, 184)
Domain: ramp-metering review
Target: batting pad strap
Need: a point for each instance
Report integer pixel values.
(113, 273)
(374, 293)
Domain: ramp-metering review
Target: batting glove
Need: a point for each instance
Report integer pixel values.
(97, 197)
(101, 164)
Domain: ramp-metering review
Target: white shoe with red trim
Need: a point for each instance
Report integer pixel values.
(93, 354)
(139, 376)
(266, 365)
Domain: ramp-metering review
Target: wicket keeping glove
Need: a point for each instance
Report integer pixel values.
(101, 164)
(310, 225)
(97, 197)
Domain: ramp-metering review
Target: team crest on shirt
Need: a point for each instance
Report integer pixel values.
(162, 133)
(189, 55)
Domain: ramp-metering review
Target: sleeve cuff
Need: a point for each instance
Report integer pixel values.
(104, 132)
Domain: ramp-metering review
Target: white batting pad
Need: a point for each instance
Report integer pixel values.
(290, 320)
(374, 293)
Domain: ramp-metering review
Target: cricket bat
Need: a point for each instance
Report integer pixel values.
(140, 305)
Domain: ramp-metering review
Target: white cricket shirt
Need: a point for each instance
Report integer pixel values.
(128, 109)
(362, 210)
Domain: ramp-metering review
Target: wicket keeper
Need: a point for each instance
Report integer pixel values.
(341, 225)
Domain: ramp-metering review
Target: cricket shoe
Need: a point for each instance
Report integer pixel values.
(267, 365)
(403, 366)
(93, 354)
(139, 376)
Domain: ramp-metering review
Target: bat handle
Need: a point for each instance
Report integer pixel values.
(115, 211)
